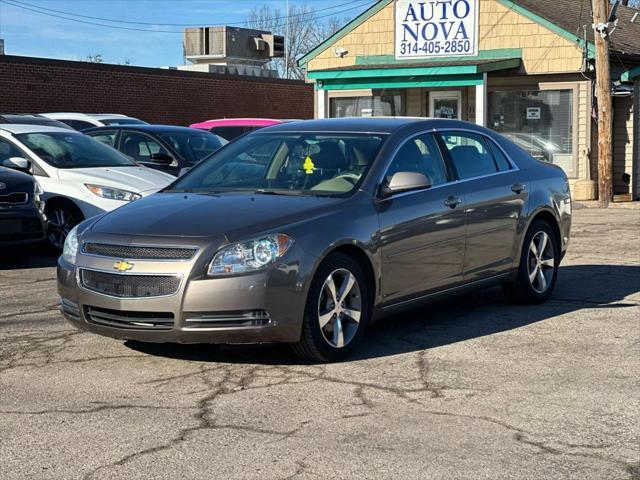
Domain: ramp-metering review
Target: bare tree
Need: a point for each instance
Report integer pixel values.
(305, 31)
(97, 58)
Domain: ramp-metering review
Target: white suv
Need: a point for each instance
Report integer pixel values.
(82, 121)
(80, 177)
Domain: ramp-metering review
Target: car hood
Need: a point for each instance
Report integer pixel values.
(135, 179)
(15, 181)
(234, 216)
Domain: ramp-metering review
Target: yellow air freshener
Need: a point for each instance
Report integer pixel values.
(308, 165)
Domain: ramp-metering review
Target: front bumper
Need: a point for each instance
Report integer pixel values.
(21, 225)
(258, 308)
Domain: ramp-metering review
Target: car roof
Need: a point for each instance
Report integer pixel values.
(364, 125)
(143, 128)
(237, 122)
(30, 118)
(103, 116)
(30, 128)
(84, 116)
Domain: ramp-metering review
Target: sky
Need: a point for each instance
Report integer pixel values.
(28, 33)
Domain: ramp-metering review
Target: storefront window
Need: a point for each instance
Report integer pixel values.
(538, 121)
(387, 103)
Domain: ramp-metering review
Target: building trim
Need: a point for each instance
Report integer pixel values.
(424, 81)
(572, 37)
(630, 75)
(406, 71)
(344, 31)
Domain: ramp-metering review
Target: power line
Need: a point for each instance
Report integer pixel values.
(7, 2)
(32, 7)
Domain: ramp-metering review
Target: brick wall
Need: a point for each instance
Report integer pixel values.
(156, 95)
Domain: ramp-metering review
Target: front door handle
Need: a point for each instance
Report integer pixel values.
(518, 188)
(453, 202)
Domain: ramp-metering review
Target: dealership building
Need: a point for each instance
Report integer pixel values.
(524, 68)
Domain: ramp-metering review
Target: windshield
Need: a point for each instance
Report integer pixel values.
(73, 150)
(286, 163)
(121, 121)
(193, 146)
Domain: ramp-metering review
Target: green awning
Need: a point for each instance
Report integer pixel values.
(630, 75)
(460, 73)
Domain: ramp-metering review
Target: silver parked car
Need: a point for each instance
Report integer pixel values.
(306, 232)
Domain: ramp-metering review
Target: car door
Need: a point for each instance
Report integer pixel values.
(494, 199)
(421, 232)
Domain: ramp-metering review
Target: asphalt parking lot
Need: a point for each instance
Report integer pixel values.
(469, 388)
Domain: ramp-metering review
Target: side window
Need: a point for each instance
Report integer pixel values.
(139, 147)
(108, 138)
(498, 156)
(78, 124)
(421, 155)
(228, 133)
(8, 150)
(469, 154)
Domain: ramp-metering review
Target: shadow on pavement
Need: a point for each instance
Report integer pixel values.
(40, 255)
(479, 314)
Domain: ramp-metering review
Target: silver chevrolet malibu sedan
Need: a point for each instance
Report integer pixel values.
(306, 232)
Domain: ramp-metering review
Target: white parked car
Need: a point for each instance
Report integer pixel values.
(82, 121)
(80, 177)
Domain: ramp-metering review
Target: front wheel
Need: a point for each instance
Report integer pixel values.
(539, 264)
(337, 310)
(60, 220)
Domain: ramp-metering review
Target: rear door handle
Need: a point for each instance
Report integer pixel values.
(518, 188)
(453, 202)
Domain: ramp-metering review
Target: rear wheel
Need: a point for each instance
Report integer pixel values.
(337, 310)
(61, 218)
(539, 264)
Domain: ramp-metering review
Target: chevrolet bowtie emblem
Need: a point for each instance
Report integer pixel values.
(123, 266)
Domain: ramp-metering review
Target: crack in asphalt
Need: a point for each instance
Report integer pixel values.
(225, 386)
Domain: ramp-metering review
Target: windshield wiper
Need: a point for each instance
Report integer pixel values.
(269, 191)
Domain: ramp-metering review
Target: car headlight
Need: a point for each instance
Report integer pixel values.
(113, 193)
(70, 250)
(251, 255)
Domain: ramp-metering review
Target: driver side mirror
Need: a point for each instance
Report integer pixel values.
(161, 158)
(405, 182)
(17, 163)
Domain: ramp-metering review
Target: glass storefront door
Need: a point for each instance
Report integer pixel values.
(445, 104)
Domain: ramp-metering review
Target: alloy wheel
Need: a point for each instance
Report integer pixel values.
(60, 223)
(541, 262)
(339, 308)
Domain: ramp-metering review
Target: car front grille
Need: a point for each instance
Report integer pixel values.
(130, 286)
(16, 198)
(129, 320)
(138, 252)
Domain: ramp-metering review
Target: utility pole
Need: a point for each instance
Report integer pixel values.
(605, 105)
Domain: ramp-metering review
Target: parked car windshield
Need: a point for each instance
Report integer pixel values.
(73, 150)
(193, 146)
(286, 163)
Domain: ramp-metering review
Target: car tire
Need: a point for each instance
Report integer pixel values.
(538, 271)
(333, 323)
(61, 218)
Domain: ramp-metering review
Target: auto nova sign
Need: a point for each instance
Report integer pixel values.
(436, 28)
